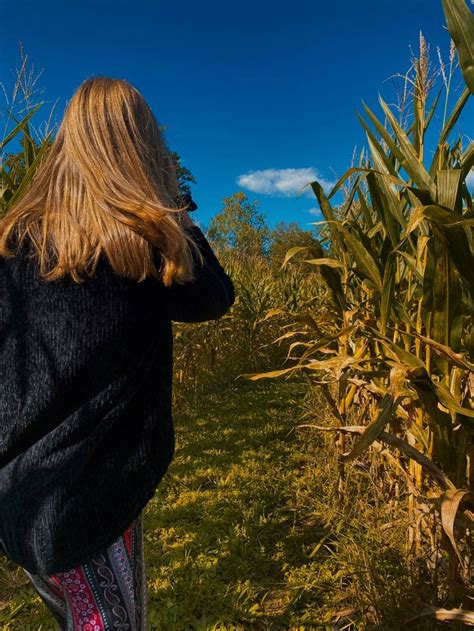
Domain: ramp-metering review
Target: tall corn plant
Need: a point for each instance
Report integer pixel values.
(214, 353)
(396, 338)
(17, 169)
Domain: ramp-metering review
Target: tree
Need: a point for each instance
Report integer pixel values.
(285, 236)
(184, 175)
(240, 226)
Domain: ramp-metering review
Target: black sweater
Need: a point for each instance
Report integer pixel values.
(86, 429)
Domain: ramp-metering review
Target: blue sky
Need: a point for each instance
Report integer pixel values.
(257, 96)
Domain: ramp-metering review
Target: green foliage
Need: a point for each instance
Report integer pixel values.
(460, 21)
(184, 175)
(240, 225)
(18, 169)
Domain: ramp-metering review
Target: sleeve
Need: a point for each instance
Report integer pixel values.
(209, 296)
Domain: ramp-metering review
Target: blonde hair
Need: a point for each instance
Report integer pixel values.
(106, 185)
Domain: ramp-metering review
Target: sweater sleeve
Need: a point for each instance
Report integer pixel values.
(209, 296)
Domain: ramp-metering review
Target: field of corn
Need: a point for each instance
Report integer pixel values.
(324, 468)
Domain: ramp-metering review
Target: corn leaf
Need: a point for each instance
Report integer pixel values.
(448, 127)
(461, 615)
(388, 288)
(405, 153)
(460, 23)
(448, 188)
(20, 126)
(31, 171)
(325, 261)
(451, 501)
(372, 431)
(366, 264)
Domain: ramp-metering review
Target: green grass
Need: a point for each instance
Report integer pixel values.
(245, 532)
(226, 526)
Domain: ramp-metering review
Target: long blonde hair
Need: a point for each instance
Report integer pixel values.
(106, 185)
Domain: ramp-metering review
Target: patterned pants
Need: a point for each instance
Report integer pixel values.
(108, 592)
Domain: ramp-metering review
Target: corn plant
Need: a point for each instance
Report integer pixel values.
(214, 353)
(17, 169)
(393, 343)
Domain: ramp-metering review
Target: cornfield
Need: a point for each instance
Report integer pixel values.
(248, 337)
(392, 344)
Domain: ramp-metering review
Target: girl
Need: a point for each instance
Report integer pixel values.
(97, 258)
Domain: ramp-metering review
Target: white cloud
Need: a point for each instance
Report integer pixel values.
(314, 211)
(470, 181)
(283, 182)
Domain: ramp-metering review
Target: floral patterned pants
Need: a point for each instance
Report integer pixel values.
(108, 592)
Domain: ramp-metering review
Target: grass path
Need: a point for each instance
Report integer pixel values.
(229, 533)
(224, 537)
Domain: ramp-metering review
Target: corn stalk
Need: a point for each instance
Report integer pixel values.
(395, 341)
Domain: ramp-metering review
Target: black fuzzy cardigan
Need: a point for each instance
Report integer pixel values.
(86, 429)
